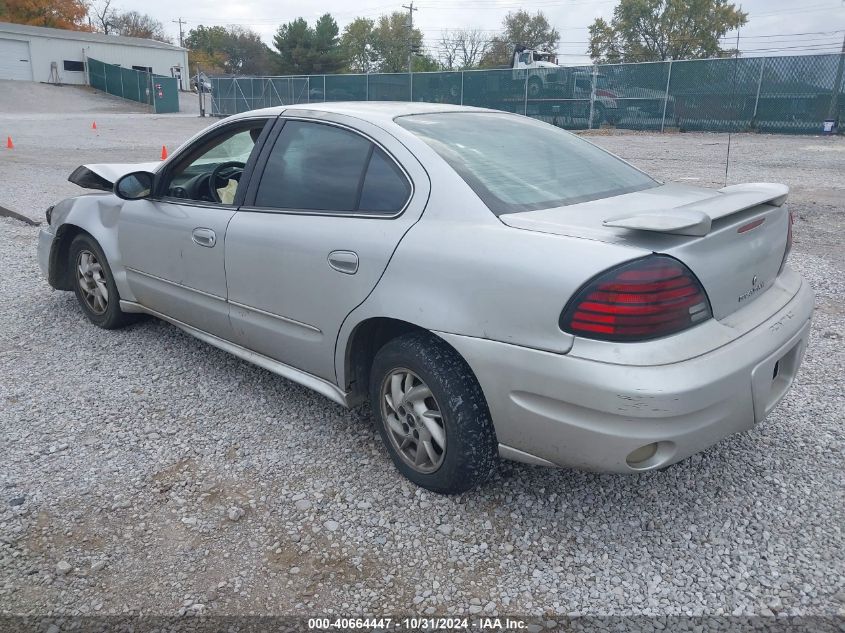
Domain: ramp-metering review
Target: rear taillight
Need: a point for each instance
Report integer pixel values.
(788, 244)
(644, 299)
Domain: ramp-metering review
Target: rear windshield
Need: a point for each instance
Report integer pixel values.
(515, 163)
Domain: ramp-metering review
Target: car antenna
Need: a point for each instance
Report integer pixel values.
(733, 99)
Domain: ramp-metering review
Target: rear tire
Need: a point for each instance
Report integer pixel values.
(93, 284)
(431, 414)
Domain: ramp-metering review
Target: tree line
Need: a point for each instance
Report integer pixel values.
(364, 45)
(640, 30)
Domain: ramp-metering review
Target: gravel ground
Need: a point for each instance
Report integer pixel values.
(144, 471)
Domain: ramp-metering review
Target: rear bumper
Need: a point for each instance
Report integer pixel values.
(574, 412)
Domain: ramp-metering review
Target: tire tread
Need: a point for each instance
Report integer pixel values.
(472, 449)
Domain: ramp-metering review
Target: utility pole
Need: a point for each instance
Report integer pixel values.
(411, 10)
(833, 110)
(733, 94)
(180, 22)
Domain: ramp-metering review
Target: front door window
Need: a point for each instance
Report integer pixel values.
(212, 173)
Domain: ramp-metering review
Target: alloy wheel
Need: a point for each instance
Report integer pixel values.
(92, 281)
(413, 420)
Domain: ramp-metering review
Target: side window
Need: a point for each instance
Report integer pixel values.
(314, 167)
(319, 167)
(386, 189)
(212, 172)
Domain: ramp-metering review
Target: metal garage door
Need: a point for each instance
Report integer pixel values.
(14, 60)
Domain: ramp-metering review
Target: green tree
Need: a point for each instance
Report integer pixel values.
(205, 49)
(293, 45)
(303, 50)
(391, 39)
(246, 53)
(520, 28)
(233, 50)
(358, 44)
(424, 63)
(657, 30)
(327, 54)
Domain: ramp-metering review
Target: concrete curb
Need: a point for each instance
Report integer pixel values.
(6, 213)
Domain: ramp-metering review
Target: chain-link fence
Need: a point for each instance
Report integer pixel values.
(769, 94)
(162, 93)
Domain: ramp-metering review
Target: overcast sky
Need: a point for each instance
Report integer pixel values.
(775, 27)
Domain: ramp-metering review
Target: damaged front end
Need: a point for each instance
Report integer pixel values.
(101, 177)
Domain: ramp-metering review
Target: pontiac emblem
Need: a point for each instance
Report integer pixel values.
(755, 288)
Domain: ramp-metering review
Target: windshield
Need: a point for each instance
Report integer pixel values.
(235, 148)
(518, 164)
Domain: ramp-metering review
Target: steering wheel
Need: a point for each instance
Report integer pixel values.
(234, 166)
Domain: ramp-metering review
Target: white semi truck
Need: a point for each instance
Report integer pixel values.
(547, 79)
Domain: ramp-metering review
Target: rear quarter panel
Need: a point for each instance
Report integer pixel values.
(460, 270)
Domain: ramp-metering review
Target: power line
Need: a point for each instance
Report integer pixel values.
(771, 44)
(792, 34)
(812, 7)
(529, 5)
(725, 37)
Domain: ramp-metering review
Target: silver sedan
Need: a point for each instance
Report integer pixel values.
(490, 284)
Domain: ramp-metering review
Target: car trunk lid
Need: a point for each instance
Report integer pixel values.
(733, 239)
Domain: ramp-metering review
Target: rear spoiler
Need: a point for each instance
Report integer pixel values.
(697, 217)
(103, 176)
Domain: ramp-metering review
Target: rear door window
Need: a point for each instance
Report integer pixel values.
(324, 168)
(385, 189)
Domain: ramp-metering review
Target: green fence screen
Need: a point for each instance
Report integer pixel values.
(769, 94)
(162, 93)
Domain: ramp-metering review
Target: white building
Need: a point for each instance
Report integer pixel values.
(35, 53)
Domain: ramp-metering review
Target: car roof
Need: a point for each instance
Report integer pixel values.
(375, 111)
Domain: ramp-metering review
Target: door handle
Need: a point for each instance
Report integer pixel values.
(344, 261)
(204, 237)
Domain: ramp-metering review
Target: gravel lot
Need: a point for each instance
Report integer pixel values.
(144, 471)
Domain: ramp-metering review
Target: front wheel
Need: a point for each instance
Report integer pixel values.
(94, 284)
(431, 414)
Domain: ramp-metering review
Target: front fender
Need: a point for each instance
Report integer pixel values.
(98, 215)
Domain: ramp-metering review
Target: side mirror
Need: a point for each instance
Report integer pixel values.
(134, 186)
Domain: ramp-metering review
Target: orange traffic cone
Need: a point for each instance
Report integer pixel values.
(94, 125)
(9, 144)
(163, 152)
